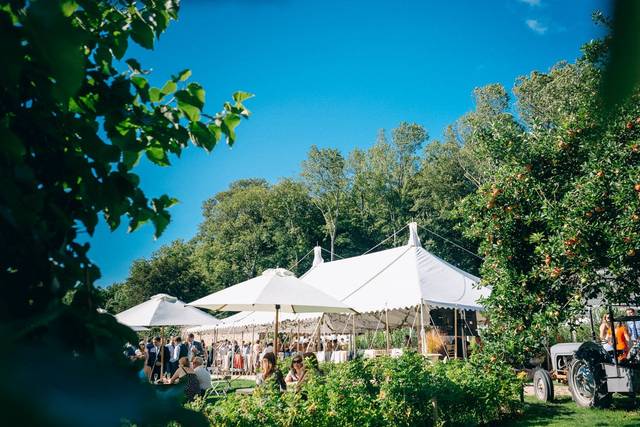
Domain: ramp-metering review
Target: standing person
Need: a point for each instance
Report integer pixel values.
(195, 348)
(175, 355)
(153, 359)
(633, 326)
(169, 346)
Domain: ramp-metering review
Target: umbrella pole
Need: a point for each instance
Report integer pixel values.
(275, 338)
(298, 342)
(386, 321)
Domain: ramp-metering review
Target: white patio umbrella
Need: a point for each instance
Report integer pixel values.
(275, 290)
(164, 310)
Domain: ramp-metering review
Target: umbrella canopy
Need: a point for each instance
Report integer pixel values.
(164, 310)
(274, 289)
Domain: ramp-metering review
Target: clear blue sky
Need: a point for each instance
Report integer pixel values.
(332, 73)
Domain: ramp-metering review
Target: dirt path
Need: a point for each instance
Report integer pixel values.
(558, 390)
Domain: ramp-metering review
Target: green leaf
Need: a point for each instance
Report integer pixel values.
(120, 44)
(241, 96)
(155, 94)
(188, 105)
(68, 7)
(169, 87)
(215, 129)
(131, 158)
(182, 76)
(202, 135)
(134, 65)
(229, 124)
(198, 93)
(158, 156)
(142, 33)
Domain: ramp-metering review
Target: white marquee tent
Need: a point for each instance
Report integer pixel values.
(397, 278)
(396, 285)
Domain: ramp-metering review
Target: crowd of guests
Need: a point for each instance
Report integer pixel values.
(627, 334)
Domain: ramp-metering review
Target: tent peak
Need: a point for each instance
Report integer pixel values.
(283, 272)
(164, 297)
(317, 256)
(414, 239)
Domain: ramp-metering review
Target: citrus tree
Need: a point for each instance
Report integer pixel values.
(76, 116)
(559, 222)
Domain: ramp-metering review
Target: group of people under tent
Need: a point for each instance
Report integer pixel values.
(627, 334)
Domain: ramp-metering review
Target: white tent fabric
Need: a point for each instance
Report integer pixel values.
(164, 310)
(397, 278)
(274, 287)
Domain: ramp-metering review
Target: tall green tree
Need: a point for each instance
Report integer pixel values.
(324, 174)
(74, 122)
(253, 226)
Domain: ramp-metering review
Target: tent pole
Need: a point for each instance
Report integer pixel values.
(355, 343)
(386, 321)
(423, 344)
(275, 338)
(455, 333)
(464, 336)
(298, 339)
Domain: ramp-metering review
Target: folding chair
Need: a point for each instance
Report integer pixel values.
(221, 386)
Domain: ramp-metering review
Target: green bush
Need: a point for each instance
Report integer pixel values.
(380, 392)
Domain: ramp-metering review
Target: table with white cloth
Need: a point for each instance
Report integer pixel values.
(397, 352)
(323, 356)
(339, 356)
(371, 353)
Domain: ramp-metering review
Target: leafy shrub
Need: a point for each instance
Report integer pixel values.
(380, 392)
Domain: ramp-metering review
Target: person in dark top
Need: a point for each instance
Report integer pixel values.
(153, 359)
(187, 376)
(270, 372)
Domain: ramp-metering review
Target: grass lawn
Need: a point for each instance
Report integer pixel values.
(563, 412)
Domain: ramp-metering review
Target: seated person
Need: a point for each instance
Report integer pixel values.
(270, 372)
(297, 370)
(184, 374)
(203, 375)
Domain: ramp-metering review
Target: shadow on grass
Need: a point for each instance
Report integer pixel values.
(563, 411)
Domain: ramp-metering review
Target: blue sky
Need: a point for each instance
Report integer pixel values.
(332, 73)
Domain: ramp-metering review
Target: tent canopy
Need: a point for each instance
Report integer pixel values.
(164, 310)
(397, 278)
(273, 287)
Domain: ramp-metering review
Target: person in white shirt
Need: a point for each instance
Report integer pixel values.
(204, 377)
(175, 355)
